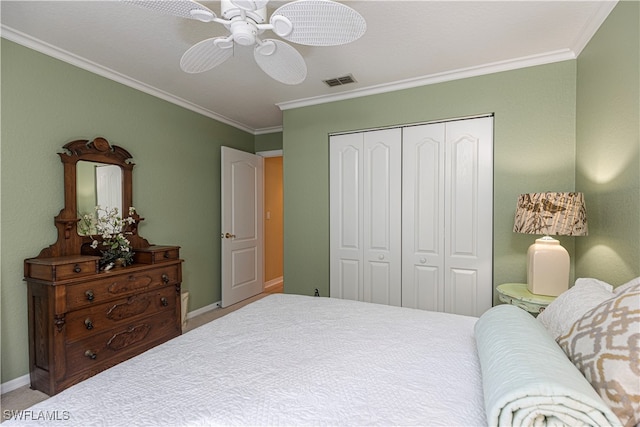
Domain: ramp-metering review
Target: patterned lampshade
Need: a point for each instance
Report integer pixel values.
(562, 214)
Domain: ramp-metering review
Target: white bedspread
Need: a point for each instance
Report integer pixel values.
(292, 360)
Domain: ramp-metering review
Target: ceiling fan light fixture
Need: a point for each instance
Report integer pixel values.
(307, 22)
(244, 32)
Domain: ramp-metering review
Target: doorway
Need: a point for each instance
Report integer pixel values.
(273, 222)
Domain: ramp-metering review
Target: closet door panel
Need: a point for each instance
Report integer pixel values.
(422, 216)
(468, 216)
(381, 216)
(427, 292)
(462, 191)
(346, 241)
(350, 275)
(462, 292)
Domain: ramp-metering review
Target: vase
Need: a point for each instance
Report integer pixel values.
(119, 262)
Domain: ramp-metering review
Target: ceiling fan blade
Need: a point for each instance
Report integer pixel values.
(280, 61)
(183, 8)
(318, 23)
(206, 54)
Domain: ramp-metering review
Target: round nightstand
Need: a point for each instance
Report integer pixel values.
(517, 294)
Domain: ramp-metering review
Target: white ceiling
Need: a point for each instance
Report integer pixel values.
(407, 44)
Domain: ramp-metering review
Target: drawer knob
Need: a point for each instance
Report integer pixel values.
(88, 323)
(167, 254)
(165, 278)
(164, 302)
(89, 295)
(77, 269)
(90, 354)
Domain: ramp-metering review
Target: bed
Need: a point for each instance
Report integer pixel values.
(300, 360)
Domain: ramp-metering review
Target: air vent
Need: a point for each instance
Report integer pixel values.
(339, 81)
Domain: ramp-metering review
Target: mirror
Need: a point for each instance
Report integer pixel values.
(95, 173)
(97, 184)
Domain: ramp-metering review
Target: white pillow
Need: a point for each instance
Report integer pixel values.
(572, 304)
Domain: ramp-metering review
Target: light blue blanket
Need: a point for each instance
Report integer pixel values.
(528, 380)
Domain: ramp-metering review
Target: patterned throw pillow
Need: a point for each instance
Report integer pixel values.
(605, 346)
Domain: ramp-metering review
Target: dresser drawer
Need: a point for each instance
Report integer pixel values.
(155, 254)
(95, 319)
(108, 348)
(120, 284)
(61, 268)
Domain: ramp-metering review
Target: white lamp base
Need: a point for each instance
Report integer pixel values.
(547, 267)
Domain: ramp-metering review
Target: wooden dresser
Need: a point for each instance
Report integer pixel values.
(82, 321)
(85, 315)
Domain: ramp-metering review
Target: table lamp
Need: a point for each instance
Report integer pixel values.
(562, 214)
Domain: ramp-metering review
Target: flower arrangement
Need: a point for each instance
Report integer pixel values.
(112, 229)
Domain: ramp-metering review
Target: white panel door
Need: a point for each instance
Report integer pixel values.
(423, 284)
(382, 217)
(242, 225)
(346, 200)
(469, 216)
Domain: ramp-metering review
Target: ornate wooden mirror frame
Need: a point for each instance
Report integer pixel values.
(97, 150)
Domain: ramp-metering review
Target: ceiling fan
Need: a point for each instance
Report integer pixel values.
(306, 22)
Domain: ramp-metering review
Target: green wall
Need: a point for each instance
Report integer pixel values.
(534, 150)
(47, 103)
(608, 147)
(268, 142)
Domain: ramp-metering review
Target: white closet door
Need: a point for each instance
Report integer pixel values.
(382, 217)
(346, 218)
(468, 216)
(365, 237)
(411, 216)
(423, 284)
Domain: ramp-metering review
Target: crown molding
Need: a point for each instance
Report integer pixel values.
(77, 61)
(463, 73)
(272, 129)
(592, 25)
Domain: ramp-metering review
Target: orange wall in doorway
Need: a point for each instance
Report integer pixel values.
(273, 218)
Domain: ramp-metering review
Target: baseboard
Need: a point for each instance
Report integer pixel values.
(202, 310)
(15, 384)
(273, 282)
